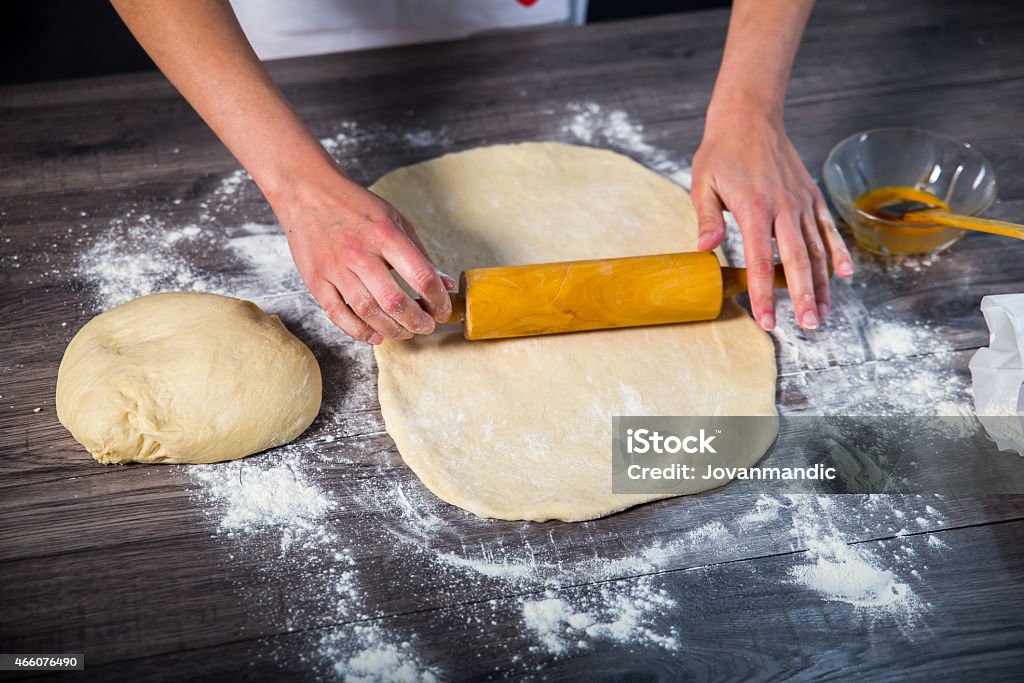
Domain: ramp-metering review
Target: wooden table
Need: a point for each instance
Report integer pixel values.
(124, 564)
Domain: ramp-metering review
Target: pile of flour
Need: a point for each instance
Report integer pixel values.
(274, 510)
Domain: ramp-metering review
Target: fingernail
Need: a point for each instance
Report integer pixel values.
(424, 327)
(845, 269)
(376, 338)
(768, 322)
(448, 280)
(810, 320)
(823, 311)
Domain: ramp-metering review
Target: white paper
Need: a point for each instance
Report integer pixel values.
(997, 372)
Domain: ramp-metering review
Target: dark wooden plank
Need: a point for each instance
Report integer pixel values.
(745, 621)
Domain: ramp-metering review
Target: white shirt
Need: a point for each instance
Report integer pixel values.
(278, 29)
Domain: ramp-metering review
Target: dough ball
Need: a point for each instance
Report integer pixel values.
(186, 377)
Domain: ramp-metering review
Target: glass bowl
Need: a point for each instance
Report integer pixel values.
(907, 157)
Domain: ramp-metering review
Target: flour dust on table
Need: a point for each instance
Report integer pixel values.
(303, 512)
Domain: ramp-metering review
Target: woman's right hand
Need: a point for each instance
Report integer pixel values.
(345, 240)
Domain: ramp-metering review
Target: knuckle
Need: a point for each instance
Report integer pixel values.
(825, 217)
(762, 266)
(364, 307)
(423, 279)
(816, 249)
(758, 203)
(334, 311)
(709, 221)
(393, 303)
(351, 254)
(799, 262)
(787, 201)
(378, 232)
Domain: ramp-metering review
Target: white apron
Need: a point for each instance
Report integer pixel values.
(278, 29)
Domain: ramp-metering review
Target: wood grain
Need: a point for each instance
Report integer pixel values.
(574, 296)
(121, 562)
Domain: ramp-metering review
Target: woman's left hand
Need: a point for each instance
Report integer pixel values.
(749, 166)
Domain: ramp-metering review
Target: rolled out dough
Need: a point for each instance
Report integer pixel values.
(186, 377)
(521, 428)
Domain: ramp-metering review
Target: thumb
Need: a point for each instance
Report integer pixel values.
(710, 221)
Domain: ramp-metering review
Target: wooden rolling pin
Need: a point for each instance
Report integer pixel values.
(573, 296)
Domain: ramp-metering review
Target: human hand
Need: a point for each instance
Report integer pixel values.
(750, 167)
(345, 240)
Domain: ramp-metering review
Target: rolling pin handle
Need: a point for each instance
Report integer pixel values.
(734, 280)
(458, 300)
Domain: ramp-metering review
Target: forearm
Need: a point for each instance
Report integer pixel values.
(759, 51)
(200, 47)
(345, 240)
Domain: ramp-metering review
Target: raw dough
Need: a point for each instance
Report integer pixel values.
(186, 377)
(521, 428)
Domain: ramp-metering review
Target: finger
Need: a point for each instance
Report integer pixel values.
(416, 269)
(819, 263)
(410, 230)
(446, 279)
(365, 306)
(710, 221)
(841, 259)
(341, 315)
(756, 226)
(392, 299)
(795, 259)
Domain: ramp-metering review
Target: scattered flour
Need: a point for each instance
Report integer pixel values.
(375, 659)
(863, 362)
(141, 254)
(272, 497)
(843, 572)
(842, 575)
(890, 339)
(278, 495)
(231, 184)
(613, 614)
(349, 138)
(592, 124)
